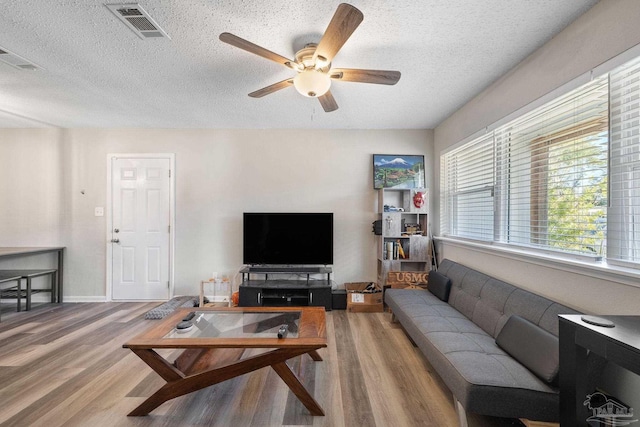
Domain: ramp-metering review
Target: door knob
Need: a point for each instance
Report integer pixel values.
(116, 230)
(115, 240)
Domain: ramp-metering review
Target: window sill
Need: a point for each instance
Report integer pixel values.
(598, 269)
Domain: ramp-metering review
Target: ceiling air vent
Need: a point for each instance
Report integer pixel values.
(138, 20)
(16, 60)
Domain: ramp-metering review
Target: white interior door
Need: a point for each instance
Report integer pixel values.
(140, 233)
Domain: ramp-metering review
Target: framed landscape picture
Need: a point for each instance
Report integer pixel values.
(398, 171)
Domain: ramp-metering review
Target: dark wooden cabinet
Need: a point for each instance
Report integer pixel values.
(263, 286)
(285, 293)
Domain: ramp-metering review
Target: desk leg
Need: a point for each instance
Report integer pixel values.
(60, 275)
(19, 296)
(28, 293)
(573, 366)
(54, 287)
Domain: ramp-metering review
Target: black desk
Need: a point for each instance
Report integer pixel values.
(620, 345)
(21, 252)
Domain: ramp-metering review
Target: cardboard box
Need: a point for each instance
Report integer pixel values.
(363, 302)
(408, 279)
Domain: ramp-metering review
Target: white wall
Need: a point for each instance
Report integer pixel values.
(31, 194)
(51, 181)
(608, 29)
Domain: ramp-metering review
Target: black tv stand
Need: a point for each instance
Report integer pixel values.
(284, 269)
(269, 269)
(272, 292)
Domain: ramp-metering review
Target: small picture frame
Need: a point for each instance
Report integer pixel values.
(399, 171)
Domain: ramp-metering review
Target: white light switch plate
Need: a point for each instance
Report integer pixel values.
(99, 211)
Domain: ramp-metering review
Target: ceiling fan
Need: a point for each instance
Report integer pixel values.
(313, 62)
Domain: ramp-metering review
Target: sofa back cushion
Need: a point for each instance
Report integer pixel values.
(535, 348)
(439, 285)
(490, 302)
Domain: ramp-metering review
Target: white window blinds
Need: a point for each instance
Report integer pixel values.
(552, 173)
(624, 211)
(538, 181)
(564, 177)
(466, 197)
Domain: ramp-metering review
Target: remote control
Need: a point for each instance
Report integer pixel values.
(282, 332)
(189, 316)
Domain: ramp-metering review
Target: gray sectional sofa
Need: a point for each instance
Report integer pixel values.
(459, 335)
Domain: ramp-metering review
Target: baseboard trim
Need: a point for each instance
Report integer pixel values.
(81, 299)
(46, 298)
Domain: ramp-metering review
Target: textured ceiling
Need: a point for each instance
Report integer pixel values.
(98, 73)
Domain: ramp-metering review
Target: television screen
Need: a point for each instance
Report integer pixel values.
(288, 238)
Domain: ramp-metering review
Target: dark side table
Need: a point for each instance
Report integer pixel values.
(620, 345)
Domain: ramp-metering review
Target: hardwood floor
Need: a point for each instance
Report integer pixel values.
(64, 365)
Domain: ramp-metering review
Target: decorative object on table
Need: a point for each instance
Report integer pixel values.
(235, 298)
(389, 250)
(395, 250)
(411, 229)
(389, 208)
(408, 279)
(598, 321)
(313, 62)
(400, 250)
(398, 171)
(377, 227)
(221, 289)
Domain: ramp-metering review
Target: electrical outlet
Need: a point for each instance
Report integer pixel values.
(99, 211)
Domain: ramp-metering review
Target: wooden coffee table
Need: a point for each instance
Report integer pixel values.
(214, 346)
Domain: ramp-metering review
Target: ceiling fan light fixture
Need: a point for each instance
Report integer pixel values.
(312, 83)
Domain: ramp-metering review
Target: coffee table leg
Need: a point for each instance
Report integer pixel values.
(159, 364)
(315, 356)
(179, 384)
(297, 388)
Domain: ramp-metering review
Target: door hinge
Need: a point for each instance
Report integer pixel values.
(168, 228)
(169, 173)
(168, 285)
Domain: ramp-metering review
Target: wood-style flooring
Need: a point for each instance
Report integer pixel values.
(64, 365)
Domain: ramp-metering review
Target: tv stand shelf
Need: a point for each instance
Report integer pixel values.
(267, 270)
(280, 293)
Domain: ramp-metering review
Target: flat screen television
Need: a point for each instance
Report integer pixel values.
(287, 238)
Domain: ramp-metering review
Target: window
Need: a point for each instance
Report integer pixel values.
(553, 173)
(623, 239)
(564, 177)
(466, 208)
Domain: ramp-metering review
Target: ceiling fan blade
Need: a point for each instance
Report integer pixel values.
(255, 49)
(381, 77)
(328, 102)
(342, 25)
(271, 88)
